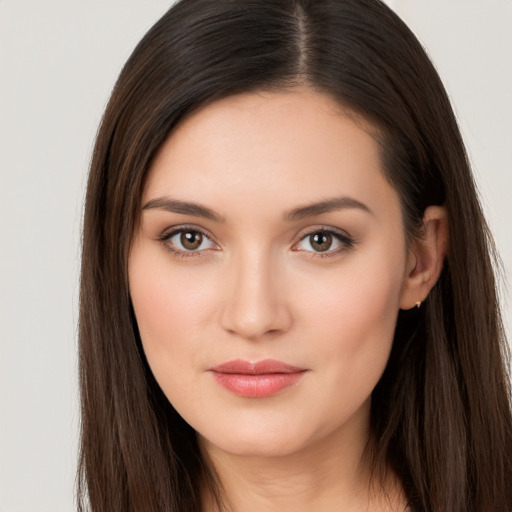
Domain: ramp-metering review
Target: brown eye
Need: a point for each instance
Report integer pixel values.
(325, 241)
(191, 240)
(187, 241)
(320, 241)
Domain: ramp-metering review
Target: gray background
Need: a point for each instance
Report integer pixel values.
(58, 62)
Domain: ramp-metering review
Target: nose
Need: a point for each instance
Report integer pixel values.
(255, 304)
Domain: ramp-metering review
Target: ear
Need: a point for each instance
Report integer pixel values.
(426, 256)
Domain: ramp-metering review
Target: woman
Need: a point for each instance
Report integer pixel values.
(287, 295)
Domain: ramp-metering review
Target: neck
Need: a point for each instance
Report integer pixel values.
(332, 474)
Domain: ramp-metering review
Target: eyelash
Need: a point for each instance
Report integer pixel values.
(346, 242)
(182, 253)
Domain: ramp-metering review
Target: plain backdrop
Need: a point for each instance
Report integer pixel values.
(58, 62)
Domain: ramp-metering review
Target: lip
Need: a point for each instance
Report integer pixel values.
(256, 380)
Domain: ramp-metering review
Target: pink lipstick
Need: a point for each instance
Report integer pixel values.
(256, 380)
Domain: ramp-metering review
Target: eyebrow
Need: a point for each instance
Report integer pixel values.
(183, 207)
(327, 206)
(302, 212)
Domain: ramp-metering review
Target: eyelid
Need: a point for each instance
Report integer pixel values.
(347, 241)
(172, 231)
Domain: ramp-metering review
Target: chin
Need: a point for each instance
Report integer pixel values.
(258, 448)
(278, 440)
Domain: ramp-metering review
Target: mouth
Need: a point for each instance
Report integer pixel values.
(256, 380)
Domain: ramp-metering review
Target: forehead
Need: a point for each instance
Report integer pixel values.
(296, 146)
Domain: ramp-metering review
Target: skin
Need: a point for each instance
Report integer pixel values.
(257, 288)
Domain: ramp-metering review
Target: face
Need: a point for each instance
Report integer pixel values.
(267, 271)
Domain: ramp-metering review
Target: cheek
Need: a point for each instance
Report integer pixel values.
(164, 306)
(364, 306)
(171, 310)
(352, 319)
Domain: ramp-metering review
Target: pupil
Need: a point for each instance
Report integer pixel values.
(321, 242)
(191, 240)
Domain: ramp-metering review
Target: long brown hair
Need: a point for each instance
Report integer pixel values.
(441, 414)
